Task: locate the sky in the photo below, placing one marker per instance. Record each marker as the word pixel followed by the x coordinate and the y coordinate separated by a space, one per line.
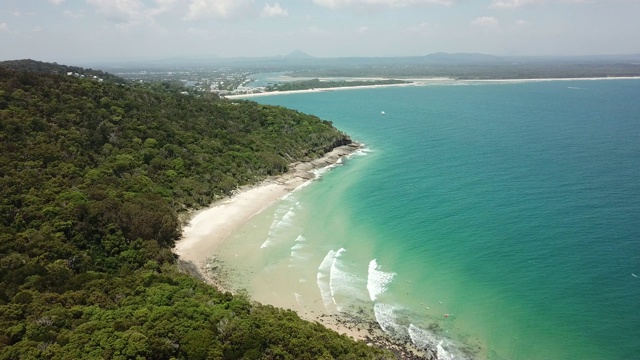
pixel 73 31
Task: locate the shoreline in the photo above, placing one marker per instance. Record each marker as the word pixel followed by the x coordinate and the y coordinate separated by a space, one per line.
pixel 207 229
pixel 423 82
pixel 414 82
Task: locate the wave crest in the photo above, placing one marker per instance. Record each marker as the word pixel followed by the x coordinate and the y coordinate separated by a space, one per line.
pixel 377 280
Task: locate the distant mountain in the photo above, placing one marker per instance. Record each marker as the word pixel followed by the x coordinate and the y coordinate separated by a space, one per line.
pixel 298 55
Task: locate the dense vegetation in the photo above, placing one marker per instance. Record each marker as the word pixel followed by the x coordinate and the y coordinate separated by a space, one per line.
pixel 53 68
pixel 93 177
pixel 323 84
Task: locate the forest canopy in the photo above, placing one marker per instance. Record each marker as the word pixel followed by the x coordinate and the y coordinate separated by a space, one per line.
pixel 94 174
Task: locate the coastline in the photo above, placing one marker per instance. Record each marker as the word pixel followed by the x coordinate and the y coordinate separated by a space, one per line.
pixel 556 85
pixel 414 82
pixel 338 324
pixel 210 227
pixel 424 82
pixel 207 229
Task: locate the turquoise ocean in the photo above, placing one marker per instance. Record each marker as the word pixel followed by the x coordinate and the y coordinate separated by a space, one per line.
pixel 491 220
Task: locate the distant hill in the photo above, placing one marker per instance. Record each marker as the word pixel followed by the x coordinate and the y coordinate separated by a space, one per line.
pixel 298 55
pixel 440 64
pixel 35 66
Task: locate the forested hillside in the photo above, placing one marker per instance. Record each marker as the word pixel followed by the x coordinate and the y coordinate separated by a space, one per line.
pixel 93 177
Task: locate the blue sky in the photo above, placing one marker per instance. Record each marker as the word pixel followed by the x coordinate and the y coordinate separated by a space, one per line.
pixel 73 31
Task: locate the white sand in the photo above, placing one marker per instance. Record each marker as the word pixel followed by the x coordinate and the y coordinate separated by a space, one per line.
pixel 414 82
pixel 210 227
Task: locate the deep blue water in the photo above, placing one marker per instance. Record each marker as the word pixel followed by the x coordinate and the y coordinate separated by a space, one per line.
pixel 513 207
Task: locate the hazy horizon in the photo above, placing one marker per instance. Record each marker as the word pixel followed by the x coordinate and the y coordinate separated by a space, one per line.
pixel 122 30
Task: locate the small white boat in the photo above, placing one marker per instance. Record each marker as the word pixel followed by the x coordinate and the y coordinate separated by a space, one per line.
pixel 382 113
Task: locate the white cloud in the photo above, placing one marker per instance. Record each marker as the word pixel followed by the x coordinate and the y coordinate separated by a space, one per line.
pixel 420 28
pixel 198 32
pixel 4 26
pixel 315 30
pixel 274 10
pixel 336 4
pixel 122 11
pixel 56 2
pixel 201 9
pixel 73 15
pixel 362 29
pixel 523 23
pixel 487 21
pixel 512 4
pixel 128 13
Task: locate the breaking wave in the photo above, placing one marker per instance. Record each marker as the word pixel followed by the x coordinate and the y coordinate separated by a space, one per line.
pixel 377 280
pixel 298 256
pixel 323 277
pixel 426 340
pixel 283 219
pixel 337 276
pixel 388 320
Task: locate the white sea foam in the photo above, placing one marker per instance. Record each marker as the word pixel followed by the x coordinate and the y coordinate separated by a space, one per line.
pixel 283 218
pixel 266 243
pixel 334 279
pixel 337 276
pixel 442 353
pixel 388 320
pixel 286 219
pixel 298 298
pixel 424 339
pixel 298 256
pixel 362 152
pixel 321 171
pixel 421 338
pixel 303 185
pixel 377 280
pixel 324 274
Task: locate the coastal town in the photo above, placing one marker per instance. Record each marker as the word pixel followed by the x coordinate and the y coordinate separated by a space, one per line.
pixel 222 81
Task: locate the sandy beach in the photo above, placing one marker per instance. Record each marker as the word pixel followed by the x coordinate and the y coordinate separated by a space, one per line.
pixel 411 82
pixel 210 227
